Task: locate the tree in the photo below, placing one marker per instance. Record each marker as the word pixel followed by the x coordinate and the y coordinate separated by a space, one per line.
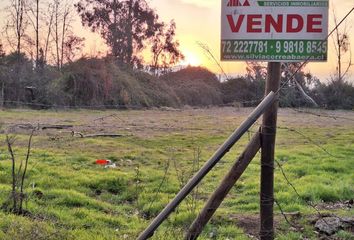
pixel 165 52
pixel 298 79
pixel 61 20
pixel 49 19
pixel 125 25
pixel 256 71
pixel 256 75
pixel 342 48
pixel 16 26
pixel 72 47
pixel 33 16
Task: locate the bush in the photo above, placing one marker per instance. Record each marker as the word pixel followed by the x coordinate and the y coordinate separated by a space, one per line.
pixel 101 82
pixel 195 86
pixel 242 90
pixel 337 94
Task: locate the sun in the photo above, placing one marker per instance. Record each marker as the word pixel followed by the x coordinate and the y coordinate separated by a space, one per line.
pixel 191 59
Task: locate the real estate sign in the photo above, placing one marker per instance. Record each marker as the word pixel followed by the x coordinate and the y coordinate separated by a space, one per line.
pixel 274 31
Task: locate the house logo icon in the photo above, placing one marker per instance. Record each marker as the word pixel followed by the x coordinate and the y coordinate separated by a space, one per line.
pixel 238 3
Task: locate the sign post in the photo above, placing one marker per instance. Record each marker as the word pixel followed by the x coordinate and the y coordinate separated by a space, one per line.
pixel 274 31
pixel 268 133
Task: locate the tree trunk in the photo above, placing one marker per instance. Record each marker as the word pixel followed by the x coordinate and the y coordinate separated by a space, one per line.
pixel 48 34
pixel 63 37
pixel 13 173
pixel 130 33
pixel 2 100
pixel 115 46
pixel 19 28
pixel 37 34
pixel 57 34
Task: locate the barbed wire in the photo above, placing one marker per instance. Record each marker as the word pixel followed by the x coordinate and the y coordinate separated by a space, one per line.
pixel 164 179
pixel 126 106
pixel 321 115
pixel 94 107
pixel 277 202
pixel 309 139
pixel 308 203
pixel 292 77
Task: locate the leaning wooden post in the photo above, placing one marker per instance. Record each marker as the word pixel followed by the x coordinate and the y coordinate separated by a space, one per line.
pixel 193 182
pixel 224 188
pixel 268 133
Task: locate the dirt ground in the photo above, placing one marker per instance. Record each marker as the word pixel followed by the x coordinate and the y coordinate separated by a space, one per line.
pixel 150 123
pixel 146 124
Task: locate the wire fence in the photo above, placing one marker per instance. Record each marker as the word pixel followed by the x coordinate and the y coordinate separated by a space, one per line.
pixel 298 135
pixel 283 172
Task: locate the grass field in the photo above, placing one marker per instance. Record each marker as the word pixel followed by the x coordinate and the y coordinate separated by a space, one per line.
pixel 70 197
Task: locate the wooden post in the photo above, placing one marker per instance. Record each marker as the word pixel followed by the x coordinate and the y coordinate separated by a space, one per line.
pixel 193 182
pixel 224 188
pixel 268 134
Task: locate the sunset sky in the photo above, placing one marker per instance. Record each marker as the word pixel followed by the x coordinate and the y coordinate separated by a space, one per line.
pixel 199 21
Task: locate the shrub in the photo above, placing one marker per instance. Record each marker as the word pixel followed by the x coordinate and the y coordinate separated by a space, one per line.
pixel 195 86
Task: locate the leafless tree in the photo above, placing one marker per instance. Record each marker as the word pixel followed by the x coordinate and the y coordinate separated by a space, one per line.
pixel 16 24
pixel 33 17
pixel 342 49
pixel 62 24
pixel 56 31
pixel 49 18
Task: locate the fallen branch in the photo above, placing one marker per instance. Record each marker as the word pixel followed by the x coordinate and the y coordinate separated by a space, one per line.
pixel 304 94
pixel 110 135
pixel 103 135
pixel 23 126
pixel 56 126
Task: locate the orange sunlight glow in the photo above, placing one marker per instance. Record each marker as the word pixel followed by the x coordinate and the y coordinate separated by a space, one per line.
pixel 191 59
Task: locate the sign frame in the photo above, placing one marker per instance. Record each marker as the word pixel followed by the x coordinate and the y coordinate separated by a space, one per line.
pixel 274 30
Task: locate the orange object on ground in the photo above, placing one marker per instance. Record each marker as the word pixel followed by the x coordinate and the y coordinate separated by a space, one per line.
pixel 103 162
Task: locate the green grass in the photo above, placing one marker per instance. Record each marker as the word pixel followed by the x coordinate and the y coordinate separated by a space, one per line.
pixel 69 197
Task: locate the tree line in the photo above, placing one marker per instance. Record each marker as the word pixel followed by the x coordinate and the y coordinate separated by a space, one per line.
pixel 44 67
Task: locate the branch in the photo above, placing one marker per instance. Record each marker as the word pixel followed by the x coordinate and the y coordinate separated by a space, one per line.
pixel 349 65
pixel 9 142
pixel 25 170
pixel 111 135
pixel 304 94
pixel 57 126
pixel 208 52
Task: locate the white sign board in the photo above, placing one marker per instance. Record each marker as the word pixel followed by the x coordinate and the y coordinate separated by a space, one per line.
pixel 274 31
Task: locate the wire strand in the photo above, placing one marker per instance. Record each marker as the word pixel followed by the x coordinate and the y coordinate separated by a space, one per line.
pixel 309 57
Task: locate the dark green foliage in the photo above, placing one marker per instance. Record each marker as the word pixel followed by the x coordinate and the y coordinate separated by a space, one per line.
pixel 337 94
pixel 111 185
pixel 22 83
pixel 127 26
pixel 100 82
pixel 244 91
pixel 104 83
pixel 195 86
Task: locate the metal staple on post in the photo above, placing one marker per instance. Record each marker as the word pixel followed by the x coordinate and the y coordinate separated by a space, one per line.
pixel 268 133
